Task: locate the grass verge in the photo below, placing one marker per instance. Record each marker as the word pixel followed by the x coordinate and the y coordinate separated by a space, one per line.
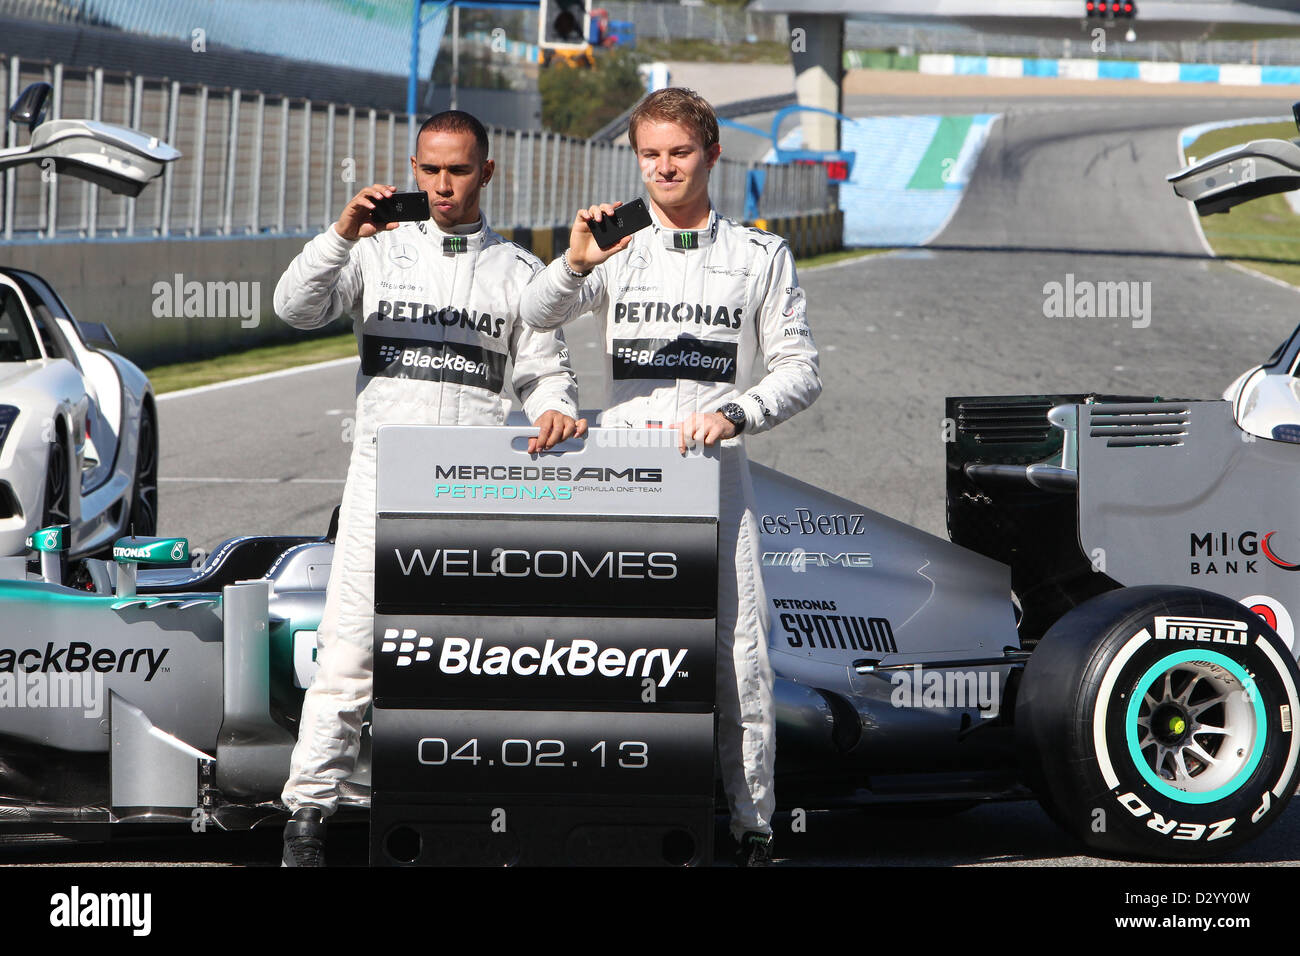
pixel 1264 228
pixel 839 255
pixel 266 358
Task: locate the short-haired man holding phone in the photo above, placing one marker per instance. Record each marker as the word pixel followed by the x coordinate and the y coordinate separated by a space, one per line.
pixel 437 321
pixel 690 307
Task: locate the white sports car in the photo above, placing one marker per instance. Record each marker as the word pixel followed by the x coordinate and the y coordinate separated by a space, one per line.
pixel 78 429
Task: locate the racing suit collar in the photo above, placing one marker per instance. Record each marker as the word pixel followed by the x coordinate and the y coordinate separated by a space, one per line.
pixel 466 238
pixel 685 239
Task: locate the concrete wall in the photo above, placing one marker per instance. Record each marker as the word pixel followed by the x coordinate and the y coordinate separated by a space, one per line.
pixel 118 282
pixel 133 286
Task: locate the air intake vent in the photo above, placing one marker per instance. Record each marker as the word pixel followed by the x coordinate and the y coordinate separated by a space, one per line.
pixel 8 503
pixel 1139 425
pixel 1004 423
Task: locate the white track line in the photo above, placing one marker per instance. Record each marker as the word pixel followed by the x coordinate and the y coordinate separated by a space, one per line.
pixel 856 260
pixel 263 376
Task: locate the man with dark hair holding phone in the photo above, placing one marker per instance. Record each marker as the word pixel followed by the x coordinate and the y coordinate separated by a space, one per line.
pixel 690 308
pixel 436 310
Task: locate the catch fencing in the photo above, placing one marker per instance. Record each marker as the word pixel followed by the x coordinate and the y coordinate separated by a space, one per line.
pixel 258 164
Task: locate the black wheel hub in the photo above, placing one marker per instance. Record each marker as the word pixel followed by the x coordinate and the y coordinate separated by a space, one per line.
pixel 1170 724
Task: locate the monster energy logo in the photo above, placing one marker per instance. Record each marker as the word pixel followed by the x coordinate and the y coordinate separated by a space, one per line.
pixel 453 244
pixel 684 240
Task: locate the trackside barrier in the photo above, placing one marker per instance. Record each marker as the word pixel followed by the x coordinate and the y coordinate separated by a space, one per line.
pixel 810 234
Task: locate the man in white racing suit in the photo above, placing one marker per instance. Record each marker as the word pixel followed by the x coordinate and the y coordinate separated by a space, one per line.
pixel 689 308
pixel 436 309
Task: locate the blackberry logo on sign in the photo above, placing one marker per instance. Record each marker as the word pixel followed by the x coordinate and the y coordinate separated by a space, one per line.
pixel 471 661
pixel 454 362
pixel 577 658
pixel 405 649
pixel 682 357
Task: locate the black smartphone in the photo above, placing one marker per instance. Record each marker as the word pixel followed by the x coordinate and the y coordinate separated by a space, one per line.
pixel 626 219
pixel 401 207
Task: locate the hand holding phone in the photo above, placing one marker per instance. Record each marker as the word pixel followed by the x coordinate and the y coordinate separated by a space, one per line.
pixel 602 230
pixel 401 207
pixel 354 221
pixel 627 219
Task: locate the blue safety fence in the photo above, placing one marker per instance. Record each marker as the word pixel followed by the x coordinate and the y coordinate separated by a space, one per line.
pixel 373 35
pixel 1082 68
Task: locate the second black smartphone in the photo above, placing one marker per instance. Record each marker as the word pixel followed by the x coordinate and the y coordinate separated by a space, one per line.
pixel 626 219
pixel 401 207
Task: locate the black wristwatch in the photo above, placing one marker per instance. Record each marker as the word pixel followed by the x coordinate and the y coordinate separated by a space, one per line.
pixel 734 414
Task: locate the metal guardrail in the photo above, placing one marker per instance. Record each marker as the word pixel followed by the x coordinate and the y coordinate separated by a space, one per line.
pixel 259 164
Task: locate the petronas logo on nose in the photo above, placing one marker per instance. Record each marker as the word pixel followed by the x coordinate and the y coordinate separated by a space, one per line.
pixel 684 240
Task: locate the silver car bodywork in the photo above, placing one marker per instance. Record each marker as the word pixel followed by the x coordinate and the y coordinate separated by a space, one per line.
pixel 77 397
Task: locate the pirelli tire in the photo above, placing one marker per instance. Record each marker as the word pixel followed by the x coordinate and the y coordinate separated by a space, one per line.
pixel 1144 738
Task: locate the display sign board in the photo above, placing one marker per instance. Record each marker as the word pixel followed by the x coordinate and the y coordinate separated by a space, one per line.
pixel 545 634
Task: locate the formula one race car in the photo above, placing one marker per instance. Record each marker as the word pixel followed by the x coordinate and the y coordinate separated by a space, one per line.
pixel 1123 683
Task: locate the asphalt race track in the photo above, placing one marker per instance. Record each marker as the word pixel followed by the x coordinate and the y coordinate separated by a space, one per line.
pixel 1064 186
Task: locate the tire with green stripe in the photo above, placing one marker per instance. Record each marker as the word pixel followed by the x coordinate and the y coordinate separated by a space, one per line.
pixel 1158 722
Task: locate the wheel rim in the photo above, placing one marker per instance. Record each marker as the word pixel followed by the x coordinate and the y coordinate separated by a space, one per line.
pixel 144 510
pixel 56 488
pixel 1195 726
